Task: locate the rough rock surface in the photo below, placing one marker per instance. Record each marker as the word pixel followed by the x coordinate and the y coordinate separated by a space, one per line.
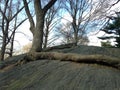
pixel 90 50
pixel 57 75
pixel 62 75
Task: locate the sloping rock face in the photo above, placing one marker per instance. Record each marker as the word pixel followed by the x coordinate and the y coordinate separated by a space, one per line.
pixel 90 50
pixel 60 75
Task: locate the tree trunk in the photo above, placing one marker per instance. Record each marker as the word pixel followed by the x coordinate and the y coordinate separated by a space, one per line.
pixel 76 38
pixel 45 42
pixel 12 45
pixel 3 49
pixel 38 34
pixel 4 43
pixel 46 37
pixel 74 25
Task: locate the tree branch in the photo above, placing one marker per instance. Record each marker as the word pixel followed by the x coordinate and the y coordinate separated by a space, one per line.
pixel 17 13
pixel 15 28
pixel 116 2
pixel 49 5
pixel 32 24
pixel 3 14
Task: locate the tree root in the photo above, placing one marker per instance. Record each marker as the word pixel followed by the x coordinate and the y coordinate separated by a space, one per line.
pixel 89 59
pixel 98 59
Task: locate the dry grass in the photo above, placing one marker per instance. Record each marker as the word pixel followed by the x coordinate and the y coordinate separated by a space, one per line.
pixel 99 59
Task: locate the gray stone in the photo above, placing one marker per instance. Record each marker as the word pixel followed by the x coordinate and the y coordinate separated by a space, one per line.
pixel 60 75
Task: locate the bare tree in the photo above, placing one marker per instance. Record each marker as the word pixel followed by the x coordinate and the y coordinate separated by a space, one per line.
pixel 76 9
pixel 68 34
pixel 37 30
pixel 86 12
pixel 51 19
pixel 9 11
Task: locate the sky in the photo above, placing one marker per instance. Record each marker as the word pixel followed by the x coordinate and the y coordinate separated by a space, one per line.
pixel 23 35
pixel 23 39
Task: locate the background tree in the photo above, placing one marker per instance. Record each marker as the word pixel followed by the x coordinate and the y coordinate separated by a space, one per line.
pixel 76 9
pixel 113 28
pixel 9 11
pixel 67 33
pixel 51 20
pixel 85 14
pixel 106 44
pixel 37 29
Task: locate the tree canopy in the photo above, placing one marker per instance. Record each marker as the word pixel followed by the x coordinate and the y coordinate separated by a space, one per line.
pixel 113 28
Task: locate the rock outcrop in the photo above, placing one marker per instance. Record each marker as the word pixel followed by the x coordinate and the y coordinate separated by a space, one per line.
pixel 68 69
pixel 57 75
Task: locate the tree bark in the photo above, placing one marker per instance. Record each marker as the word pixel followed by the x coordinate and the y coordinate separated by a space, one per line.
pixel 38 33
pixel 3 48
pixel 46 38
pixel 75 38
pixel 4 43
pixel 12 45
pixel 38 29
pixel 74 25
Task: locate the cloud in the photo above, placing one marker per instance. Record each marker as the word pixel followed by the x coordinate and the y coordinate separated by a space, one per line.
pixel 93 38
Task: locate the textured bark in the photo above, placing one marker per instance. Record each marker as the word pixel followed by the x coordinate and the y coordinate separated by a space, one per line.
pixel 38 34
